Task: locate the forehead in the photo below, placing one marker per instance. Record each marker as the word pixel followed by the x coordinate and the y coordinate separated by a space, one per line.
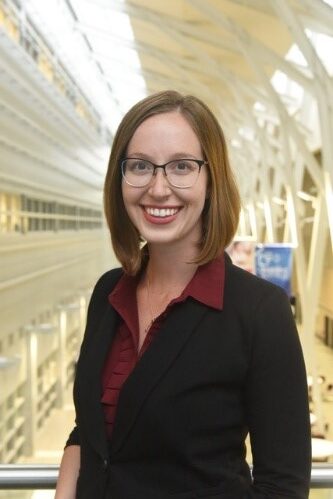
pixel 165 130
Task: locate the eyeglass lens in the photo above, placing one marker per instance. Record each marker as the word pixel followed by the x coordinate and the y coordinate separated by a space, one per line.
pixel 180 173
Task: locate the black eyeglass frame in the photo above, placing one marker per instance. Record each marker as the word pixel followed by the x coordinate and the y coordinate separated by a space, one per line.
pixel 199 162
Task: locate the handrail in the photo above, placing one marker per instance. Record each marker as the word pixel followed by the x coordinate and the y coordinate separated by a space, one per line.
pixel 28 476
pixel 36 476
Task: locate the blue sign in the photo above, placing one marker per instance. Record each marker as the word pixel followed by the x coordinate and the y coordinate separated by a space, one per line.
pixel 273 262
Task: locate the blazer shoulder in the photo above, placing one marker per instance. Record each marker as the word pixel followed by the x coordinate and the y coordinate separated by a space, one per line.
pixel 108 280
pixel 261 307
pixel 245 287
pixel 102 289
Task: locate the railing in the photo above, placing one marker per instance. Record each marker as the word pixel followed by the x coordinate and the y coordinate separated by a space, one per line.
pixel 18 477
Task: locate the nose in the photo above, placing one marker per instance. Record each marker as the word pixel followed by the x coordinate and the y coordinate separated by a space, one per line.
pixel 159 185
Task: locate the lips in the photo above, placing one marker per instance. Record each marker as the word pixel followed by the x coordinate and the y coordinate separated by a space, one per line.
pixel 163 215
pixel 161 212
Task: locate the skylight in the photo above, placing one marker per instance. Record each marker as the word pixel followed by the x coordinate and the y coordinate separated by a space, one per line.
pixel 96 45
pixel 324 47
pixel 111 37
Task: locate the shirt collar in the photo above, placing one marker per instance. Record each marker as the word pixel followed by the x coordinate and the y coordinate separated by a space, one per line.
pixel 123 300
pixel 206 286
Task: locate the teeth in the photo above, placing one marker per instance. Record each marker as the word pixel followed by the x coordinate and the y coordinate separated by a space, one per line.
pixel 163 212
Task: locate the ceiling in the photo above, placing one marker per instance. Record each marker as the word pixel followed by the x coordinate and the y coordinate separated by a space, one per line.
pixel 223 51
pixel 206 48
pixel 192 46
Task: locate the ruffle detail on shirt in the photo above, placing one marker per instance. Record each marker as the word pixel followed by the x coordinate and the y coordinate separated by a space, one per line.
pixel 120 372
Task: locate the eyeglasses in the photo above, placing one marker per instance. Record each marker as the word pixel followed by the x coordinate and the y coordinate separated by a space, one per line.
pixel 181 173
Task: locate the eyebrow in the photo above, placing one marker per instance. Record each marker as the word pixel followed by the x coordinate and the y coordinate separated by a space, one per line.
pixel 177 155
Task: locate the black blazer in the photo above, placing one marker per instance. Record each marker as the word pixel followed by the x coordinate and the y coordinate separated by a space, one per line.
pixel 208 378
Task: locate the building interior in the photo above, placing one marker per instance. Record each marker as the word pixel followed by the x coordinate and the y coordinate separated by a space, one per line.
pixel 69 71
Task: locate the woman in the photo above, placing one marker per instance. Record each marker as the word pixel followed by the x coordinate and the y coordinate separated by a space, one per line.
pixel 184 354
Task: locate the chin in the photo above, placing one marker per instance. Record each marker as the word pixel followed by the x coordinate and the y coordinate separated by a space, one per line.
pixel 160 240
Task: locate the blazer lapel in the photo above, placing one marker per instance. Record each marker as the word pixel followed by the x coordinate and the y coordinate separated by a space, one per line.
pixel 165 347
pixel 92 360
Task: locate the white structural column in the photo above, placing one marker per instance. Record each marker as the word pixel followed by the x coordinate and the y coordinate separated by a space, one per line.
pixel 31 390
pixel 82 317
pixel 325 107
pixel 61 356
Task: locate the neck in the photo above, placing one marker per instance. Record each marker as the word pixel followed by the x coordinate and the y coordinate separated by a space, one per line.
pixel 168 267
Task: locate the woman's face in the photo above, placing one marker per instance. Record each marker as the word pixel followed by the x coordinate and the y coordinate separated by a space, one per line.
pixel 164 214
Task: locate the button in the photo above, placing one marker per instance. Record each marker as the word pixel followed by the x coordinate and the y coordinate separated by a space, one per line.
pixel 105 464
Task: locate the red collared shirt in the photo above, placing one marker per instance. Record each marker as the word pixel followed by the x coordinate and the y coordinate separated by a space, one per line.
pixel 206 286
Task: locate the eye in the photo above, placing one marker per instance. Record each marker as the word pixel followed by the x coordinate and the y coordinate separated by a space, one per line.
pixel 138 166
pixel 141 165
pixel 182 167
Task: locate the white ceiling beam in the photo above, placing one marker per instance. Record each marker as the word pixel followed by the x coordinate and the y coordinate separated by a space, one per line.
pixel 319 11
pixel 265 53
pixel 316 25
pixel 173 62
pixel 155 19
pixel 292 70
pixel 259 5
pixel 244 40
pixel 324 96
pixel 103 59
pixel 173 29
pixel 218 71
pixel 145 14
pixel 268 55
pixel 290 19
pixel 141 47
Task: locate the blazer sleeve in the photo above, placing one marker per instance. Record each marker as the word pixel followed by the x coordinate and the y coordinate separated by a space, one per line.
pixel 276 401
pixel 74 437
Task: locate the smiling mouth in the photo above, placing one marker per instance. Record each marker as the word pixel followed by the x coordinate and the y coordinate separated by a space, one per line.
pixel 161 212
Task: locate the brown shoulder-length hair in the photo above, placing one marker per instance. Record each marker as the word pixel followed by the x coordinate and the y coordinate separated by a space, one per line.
pixel 221 212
